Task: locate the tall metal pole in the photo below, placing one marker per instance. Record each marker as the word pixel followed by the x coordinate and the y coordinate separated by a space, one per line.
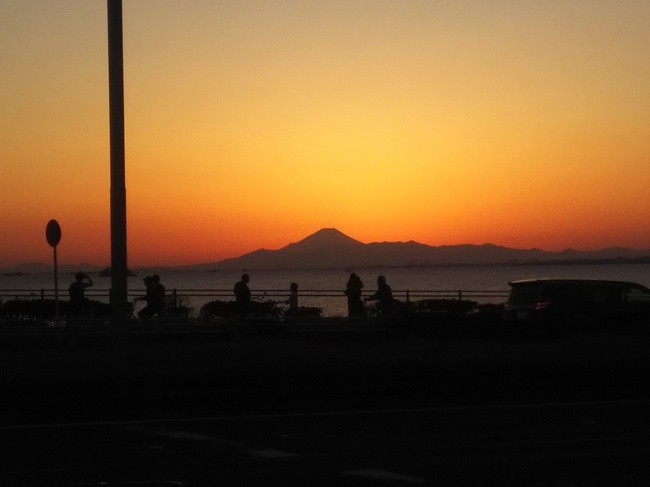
pixel 119 299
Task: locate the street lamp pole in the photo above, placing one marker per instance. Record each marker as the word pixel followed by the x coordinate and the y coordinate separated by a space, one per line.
pixel 119 299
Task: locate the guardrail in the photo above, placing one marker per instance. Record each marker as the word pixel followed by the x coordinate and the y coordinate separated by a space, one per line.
pixel 332 302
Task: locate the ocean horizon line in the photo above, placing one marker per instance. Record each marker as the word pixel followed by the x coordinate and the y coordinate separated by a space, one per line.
pixel 39 267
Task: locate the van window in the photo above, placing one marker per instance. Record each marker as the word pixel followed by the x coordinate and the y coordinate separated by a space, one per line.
pixel 524 294
pixel 576 294
pixel 638 295
pixel 606 294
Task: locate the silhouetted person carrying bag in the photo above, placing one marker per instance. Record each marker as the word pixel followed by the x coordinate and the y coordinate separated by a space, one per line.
pixel 77 293
pixel 242 295
pixel 384 295
pixel 155 297
pixel 353 292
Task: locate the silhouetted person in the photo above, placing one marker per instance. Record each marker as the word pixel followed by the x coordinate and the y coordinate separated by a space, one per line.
pixel 353 292
pixel 77 293
pixel 155 297
pixel 242 295
pixel 293 297
pixel 384 295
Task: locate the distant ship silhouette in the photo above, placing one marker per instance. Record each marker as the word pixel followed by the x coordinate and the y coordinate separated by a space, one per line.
pixel 106 272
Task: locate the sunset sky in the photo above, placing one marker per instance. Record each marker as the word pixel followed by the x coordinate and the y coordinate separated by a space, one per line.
pixel 254 123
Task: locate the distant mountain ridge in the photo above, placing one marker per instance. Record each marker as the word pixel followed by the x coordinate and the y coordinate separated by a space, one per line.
pixel 330 248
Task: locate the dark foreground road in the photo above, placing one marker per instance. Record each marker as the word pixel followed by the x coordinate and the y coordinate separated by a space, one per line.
pixel 365 412
pixel 590 444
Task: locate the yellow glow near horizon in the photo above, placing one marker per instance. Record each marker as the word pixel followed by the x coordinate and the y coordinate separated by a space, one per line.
pixel 256 123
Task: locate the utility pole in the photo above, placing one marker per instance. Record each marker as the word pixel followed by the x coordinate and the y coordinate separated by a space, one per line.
pixel 119 299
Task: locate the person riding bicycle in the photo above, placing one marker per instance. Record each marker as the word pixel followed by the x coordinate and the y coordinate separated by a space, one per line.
pixel 155 297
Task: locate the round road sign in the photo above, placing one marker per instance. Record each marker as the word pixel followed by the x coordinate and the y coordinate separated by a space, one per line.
pixel 53 233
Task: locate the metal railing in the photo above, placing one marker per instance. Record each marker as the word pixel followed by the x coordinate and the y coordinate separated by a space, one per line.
pixel 332 302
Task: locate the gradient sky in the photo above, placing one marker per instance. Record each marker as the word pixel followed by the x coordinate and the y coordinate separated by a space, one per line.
pixel 253 123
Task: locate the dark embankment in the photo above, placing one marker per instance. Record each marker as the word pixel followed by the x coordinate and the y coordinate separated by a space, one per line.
pixel 61 376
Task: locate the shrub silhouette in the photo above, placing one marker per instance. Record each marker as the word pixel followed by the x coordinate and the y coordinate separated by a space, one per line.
pixel 226 309
pixel 304 312
pixel 443 305
pixel 45 309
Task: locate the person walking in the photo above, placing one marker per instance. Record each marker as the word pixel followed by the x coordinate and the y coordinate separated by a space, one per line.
pixel 293 297
pixel 242 295
pixel 353 292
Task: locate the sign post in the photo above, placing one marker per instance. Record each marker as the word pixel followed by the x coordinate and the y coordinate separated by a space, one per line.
pixel 53 237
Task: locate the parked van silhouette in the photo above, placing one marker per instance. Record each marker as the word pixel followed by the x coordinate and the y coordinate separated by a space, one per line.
pixel 564 305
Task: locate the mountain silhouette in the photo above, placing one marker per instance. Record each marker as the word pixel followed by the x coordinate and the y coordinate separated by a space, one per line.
pixel 330 248
pixel 326 248
pixel 323 238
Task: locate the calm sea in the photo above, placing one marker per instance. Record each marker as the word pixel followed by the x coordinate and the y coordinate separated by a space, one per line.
pixel 430 278
pixel 452 278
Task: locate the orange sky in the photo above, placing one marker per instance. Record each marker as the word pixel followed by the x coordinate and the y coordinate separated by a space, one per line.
pixel 255 123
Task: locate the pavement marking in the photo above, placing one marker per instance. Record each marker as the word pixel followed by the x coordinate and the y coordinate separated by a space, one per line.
pixel 156 483
pixel 588 421
pixel 560 442
pixel 385 475
pixel 256 451
pixel 365 412
pixel 181 435
pixel 138 448
pixel 270 453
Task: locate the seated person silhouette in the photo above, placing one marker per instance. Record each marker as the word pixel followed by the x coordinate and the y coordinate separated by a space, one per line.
pixel 384 295
pixel 78 301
